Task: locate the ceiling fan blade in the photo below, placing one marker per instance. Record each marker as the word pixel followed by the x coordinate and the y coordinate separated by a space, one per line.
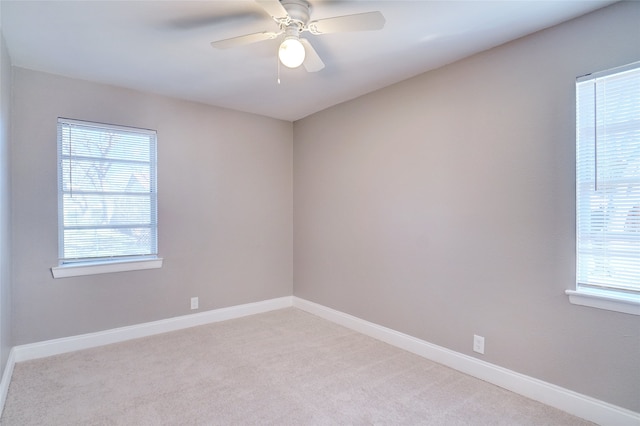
pixel 210 21
pixel 273 8
pixel 312 61
pixel 243 40
pixel 367 21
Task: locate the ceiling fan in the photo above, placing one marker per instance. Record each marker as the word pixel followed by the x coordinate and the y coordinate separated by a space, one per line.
pixel 292 17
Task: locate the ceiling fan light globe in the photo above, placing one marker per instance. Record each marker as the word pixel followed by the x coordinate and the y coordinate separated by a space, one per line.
pixel 291 53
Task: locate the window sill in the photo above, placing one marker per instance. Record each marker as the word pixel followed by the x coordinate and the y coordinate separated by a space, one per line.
pixel 88 268
pixel 610 301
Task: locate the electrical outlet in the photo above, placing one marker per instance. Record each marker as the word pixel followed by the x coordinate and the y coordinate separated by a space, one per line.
pixel 194 303
pixel 478 344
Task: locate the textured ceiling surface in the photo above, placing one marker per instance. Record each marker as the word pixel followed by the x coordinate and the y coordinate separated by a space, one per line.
pixel 164 47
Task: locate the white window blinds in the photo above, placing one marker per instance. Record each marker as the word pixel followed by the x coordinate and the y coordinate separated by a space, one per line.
pixel 608 181
pixel 107 199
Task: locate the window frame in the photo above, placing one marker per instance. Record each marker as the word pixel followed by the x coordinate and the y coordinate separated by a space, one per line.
pixel 611 298
pixel 69 267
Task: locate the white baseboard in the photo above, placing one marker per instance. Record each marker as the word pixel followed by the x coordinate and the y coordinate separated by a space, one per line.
pixel 566 400
pixel 91 340
pixel 6 379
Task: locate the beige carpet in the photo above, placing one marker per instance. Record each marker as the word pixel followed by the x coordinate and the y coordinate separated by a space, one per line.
pixel 285 367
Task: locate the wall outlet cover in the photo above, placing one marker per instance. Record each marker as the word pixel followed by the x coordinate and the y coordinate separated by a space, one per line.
pixel 478 344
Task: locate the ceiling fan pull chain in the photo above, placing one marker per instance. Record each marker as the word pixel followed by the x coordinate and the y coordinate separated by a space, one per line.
pixel 278 61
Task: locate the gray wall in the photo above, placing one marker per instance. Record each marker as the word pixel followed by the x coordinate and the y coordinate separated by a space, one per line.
pixel 5 210
pixel 224 210
pixel 443 206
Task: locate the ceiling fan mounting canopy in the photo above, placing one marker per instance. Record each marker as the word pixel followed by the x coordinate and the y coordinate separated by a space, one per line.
pixel 293 18
pixel 298 13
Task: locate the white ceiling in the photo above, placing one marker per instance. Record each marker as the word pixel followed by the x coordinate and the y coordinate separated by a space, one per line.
pixel 164 46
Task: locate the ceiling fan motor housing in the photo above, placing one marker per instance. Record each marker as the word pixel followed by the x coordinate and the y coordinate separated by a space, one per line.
pixel 298 11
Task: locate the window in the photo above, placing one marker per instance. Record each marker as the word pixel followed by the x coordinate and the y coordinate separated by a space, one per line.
pixel 608 190
pixel 107 199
